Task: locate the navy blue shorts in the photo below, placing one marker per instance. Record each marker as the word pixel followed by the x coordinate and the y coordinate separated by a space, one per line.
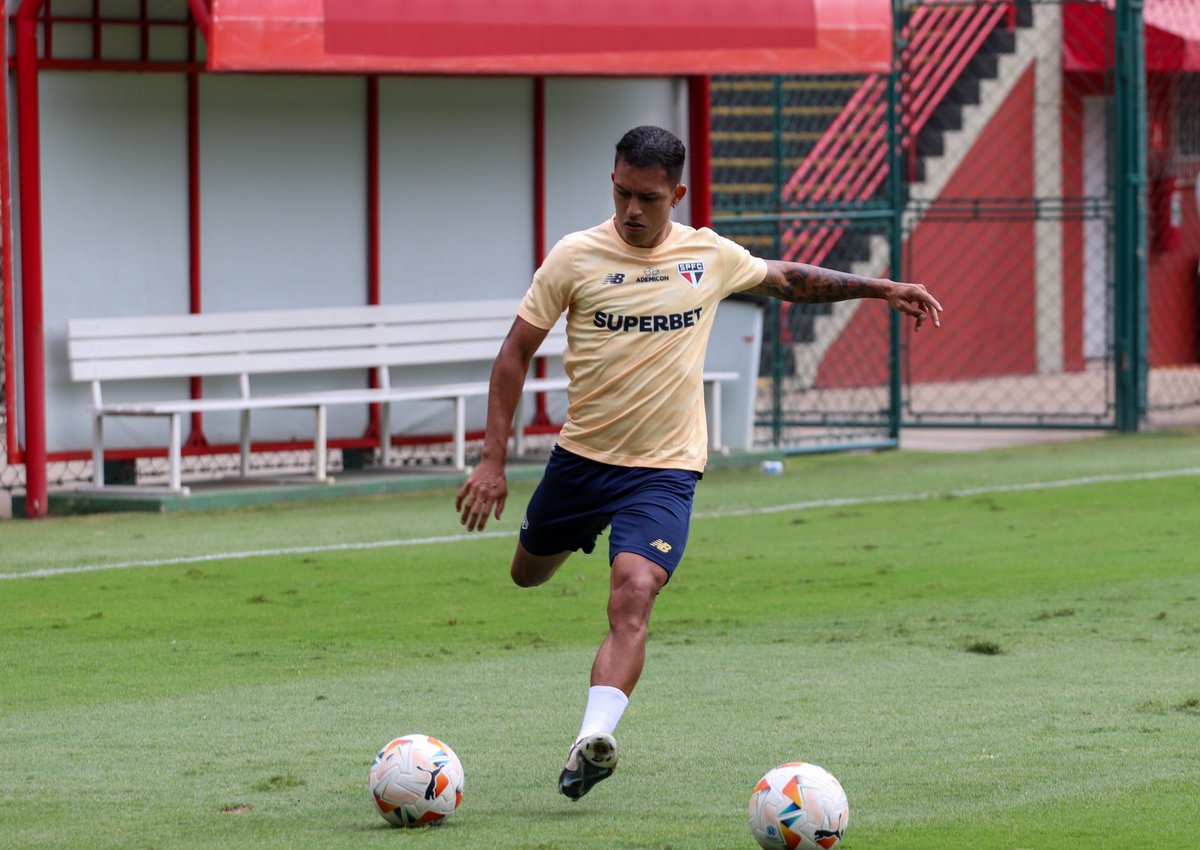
pixel 650 510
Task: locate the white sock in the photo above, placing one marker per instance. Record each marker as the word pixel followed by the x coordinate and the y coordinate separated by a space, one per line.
pixel 605 706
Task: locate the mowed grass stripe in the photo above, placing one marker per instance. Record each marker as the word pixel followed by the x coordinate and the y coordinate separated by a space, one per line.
pixel 814 504
pixel 121 538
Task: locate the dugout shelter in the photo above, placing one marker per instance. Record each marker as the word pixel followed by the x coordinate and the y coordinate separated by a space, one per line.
pixel 185 156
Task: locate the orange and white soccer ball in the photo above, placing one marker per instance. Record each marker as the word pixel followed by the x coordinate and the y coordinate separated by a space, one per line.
pixel 798 806
pixel 416 780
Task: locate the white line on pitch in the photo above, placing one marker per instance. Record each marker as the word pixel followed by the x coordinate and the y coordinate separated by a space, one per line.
pixel 738 512
pixel 256 553
pixel 970 491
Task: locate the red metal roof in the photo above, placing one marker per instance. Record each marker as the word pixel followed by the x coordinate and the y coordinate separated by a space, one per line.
pixel 1172 35
pixel 553 37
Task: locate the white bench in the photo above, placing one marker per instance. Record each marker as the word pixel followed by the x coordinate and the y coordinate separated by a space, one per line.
pixel 310 341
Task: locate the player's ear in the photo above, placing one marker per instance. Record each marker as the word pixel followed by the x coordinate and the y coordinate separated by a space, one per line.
pixel 677 195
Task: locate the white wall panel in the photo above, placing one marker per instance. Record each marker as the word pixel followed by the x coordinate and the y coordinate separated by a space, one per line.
pixel 283 191
pixel 456 186
pixel 283 201
pixel 114 218
pixel 585 118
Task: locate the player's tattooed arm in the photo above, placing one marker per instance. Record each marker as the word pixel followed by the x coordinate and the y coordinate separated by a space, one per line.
pixel 814 284
pixel 800 282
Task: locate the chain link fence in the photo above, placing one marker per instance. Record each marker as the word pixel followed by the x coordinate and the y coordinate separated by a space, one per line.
pixel 779 144
pixel 1000 123
pixel 1009 213
pixel 1173 220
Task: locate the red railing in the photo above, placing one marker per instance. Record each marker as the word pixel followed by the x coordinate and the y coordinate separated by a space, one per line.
pixel 849 162
pixel 7 319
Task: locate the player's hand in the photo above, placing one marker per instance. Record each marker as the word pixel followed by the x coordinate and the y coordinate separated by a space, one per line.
pixel 483 495
pixel 913 299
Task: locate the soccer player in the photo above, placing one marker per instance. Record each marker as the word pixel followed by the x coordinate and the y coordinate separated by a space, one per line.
pixel 640 292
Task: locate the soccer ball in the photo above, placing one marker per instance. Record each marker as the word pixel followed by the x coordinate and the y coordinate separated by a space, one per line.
pixel 798 806
pixel 416 780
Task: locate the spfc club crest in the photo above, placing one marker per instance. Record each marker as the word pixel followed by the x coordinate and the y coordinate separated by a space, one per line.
pixel 692 272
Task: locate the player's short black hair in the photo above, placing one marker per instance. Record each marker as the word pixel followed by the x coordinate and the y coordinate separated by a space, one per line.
pixel 647 146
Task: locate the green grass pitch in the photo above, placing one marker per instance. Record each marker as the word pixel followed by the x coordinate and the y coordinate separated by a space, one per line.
pixel 995 650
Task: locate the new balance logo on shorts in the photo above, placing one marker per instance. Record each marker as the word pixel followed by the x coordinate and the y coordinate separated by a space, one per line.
pixel 661 545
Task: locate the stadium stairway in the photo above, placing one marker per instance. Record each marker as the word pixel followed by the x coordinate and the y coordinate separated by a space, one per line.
pixel 762 128
pixel 765 130
pixel 965 92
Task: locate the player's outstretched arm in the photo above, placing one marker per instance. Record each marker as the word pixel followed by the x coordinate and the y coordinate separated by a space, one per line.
pixel 486 488
pixel 813 284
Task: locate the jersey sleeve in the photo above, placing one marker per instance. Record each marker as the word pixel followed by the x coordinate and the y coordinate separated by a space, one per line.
pixel 550 293
pixel 743 270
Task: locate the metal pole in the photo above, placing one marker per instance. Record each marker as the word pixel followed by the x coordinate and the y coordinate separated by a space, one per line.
pixel 777 312
pixel 896 172
pixel 195 293
pixel 32 326
pixel 1129 91
pixel 6 259
pixel 700 150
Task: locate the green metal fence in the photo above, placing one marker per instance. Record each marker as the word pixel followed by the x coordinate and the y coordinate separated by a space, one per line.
pixel 1004 164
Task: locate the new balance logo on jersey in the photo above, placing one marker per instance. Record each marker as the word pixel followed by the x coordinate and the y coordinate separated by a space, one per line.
pixel 614 278
pixel 692 272
pixel 661 545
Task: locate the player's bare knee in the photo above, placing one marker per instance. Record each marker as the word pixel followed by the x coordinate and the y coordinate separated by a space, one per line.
pixel 630 601
pixel 523 577
pixel 531 570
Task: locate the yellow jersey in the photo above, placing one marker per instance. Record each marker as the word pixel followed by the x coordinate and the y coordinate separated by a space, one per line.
pixel 638 322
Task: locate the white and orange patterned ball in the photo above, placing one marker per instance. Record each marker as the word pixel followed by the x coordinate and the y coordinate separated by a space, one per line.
pixel 798 806
pixel 416 780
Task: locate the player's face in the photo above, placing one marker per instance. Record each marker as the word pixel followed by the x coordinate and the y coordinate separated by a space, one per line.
pixel 644 197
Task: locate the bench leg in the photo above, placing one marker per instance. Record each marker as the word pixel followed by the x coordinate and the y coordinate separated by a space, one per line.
pixel 175 454
pixel 322 450
pixel 460 433
pixel 385 433
pixel 715 433
pixel 98 450
pixel 244 441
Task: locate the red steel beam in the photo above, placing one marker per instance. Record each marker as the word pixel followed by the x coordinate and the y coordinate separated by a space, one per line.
pixel 374 279
pixel 203 16
pixel 97 31
pixel 6 258
pixel 195 279
pixel 541 415
pixel 32 320
pixel 700 150
pixel 374 244
pixel 539 170
pixel 120 66
pixel 144 40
